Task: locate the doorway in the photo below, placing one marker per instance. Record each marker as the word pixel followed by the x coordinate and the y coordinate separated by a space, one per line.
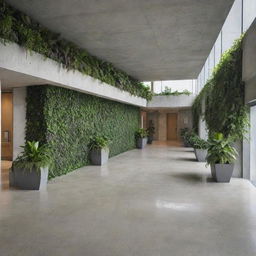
pixel 7 126
pixel 6 138
pixel 172 126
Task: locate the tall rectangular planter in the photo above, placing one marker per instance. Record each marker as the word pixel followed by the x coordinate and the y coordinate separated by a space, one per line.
pixel 99 156
pixel 201 154
pixel 141 142
pixel 29 180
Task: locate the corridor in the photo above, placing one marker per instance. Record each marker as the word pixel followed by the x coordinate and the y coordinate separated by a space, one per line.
pixel 151 202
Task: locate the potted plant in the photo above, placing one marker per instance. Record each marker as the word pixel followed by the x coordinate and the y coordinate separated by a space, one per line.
pixel 221 156
pixel 141 138
pixel 151 132
pixel 30 169
pixel 200 146
pixel 188 137
pixel 99 150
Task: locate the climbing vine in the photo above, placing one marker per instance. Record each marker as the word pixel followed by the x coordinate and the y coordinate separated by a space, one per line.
pixel 18 27
pixel 223 96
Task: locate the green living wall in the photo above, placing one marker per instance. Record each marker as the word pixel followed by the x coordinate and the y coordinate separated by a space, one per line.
pixel 223 96
pixel 65 119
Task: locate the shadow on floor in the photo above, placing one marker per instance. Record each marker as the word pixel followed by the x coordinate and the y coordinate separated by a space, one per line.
pixel 190 177
pixel 187 159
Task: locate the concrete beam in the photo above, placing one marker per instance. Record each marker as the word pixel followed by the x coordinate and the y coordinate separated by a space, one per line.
pixel 21 68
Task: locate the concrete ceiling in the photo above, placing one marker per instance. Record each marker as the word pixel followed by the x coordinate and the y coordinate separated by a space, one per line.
pixel 149 39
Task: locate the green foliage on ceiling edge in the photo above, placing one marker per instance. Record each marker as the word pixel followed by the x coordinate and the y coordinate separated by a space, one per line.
pixel 18 27
pixel 65 120
pixel 221 102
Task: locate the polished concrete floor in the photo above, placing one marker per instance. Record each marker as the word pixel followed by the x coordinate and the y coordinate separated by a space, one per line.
pixel 153 202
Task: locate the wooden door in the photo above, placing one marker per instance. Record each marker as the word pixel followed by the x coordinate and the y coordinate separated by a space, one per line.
pixel 7 125
pixel 172 126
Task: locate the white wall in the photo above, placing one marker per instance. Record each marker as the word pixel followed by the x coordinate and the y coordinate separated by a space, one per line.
pixel 19 119
pixel 170 101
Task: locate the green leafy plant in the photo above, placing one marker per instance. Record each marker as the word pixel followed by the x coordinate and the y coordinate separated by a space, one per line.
pixel 223 97
pixel 34 156
pixel 188 136
pixel 220 150
pixel 18 27
pixel 99 142
pixel 141 133
pixel 198 143
pixel 168 91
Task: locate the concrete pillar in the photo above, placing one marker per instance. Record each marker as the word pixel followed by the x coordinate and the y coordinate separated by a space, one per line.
pixel 19 119
pixel 152 87
pixel 202 128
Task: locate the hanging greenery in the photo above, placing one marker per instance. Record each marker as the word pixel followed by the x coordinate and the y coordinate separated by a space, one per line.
pixel 223 95
pixel 17 27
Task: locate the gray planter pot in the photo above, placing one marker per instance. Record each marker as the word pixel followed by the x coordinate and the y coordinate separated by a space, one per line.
pixel 201 154
pixel 99 156
pixel 29 180
pixel 150 139
pixel 222 172
pixel 141 142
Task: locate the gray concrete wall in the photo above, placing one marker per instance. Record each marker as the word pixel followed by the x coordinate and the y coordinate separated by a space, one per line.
pixel 19 119
pixel 202 127
pixel 159 118
pixel 181 101
pixel 249 63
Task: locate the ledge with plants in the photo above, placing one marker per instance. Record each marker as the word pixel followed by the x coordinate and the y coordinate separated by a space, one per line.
pixel 19 28
pixel 168 92
pixel 99 150
pixel 30 169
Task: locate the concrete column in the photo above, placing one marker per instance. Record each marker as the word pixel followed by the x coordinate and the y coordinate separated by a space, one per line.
pixel 19 119
pixel 202 128
pixel 152 87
